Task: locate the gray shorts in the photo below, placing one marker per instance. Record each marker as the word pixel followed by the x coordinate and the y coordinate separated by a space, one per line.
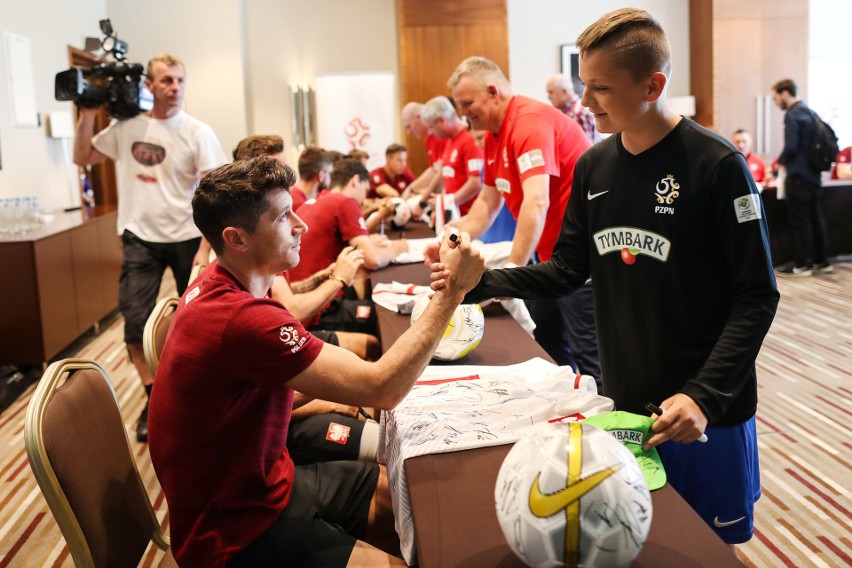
pixel 142 267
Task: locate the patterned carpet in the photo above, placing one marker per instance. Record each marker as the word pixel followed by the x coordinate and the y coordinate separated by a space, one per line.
pixel 804 433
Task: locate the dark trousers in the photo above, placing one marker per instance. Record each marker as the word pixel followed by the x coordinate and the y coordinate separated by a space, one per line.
pixel 142 266
pixel 565 328
pixel 804 212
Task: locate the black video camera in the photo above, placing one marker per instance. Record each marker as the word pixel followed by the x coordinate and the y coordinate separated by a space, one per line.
pixel 115 83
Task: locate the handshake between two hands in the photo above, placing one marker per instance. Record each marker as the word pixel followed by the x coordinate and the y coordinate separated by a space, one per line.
pixel 458 266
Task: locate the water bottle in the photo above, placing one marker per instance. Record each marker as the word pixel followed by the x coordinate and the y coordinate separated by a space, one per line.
pixel 17 216
pixel 33 215
pixel 24 215
pixel 5 216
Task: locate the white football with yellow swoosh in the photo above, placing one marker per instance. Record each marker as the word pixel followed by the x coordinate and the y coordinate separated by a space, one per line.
pixel 572 495
pixel 463 332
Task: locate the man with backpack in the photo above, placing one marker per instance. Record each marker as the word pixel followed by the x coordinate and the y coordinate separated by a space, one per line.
pixel 805 139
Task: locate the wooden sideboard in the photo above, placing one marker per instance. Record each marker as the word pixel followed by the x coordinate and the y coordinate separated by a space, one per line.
pixel 57 283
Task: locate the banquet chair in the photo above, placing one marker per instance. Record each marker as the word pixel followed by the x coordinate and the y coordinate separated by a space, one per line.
pixel 196 270
pixel 78 450
pixel 156 330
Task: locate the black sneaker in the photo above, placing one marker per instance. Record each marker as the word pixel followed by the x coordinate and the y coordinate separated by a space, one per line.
pixel 823 268
pixel 142 425
pixel 795 270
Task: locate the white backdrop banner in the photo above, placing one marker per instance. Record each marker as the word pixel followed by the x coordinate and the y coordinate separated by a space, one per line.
pixel 357 110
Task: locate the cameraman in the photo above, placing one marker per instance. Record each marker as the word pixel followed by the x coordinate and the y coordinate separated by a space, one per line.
pixel 160 156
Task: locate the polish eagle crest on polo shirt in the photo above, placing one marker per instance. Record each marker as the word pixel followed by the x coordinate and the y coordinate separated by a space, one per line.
pixel 290 336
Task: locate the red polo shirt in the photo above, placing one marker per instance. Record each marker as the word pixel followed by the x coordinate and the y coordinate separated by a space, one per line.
pixel 462 159
pixel 534 139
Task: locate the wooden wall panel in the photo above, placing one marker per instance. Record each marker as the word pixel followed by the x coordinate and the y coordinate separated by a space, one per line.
pixel 440 50
pixel 701 60
pixel 451 12
pixel 752 47
pixel 434 37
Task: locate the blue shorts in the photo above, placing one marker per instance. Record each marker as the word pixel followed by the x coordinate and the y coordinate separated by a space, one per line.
pixel 719 479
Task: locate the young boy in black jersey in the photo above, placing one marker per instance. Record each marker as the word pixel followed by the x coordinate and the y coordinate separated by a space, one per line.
pixel 667 220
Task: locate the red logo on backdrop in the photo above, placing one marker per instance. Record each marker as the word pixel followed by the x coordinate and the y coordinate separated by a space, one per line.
pixel 357 133
pixel 337 433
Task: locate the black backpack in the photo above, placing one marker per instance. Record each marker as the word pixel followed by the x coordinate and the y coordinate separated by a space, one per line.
pixel 823 148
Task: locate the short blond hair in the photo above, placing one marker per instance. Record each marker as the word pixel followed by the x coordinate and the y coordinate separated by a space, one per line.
pixel 635 40
pixel 482 70
pixel 168 59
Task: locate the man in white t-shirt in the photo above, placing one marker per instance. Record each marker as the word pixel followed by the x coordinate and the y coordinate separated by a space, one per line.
pixel 160 156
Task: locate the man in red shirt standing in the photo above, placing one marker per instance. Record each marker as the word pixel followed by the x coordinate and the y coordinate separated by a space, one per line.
pixel 462 159
pixel 742 140
pixel 530 152
pixel 429 181
pixel 226 382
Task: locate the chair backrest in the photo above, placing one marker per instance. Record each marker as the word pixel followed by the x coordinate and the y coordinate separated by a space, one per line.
pixel 79 452
pixel 196 270
pixel 156 330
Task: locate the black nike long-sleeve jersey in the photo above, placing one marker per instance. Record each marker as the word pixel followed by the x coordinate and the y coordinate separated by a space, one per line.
pixel 675 241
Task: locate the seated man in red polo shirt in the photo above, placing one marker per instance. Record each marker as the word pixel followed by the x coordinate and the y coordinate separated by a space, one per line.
pixel 314 172
pixel 320 430
pixel 259 145
pixel 391 179
pixel 742 140
pixel 226 382
pixel 843 164
pixel 336 222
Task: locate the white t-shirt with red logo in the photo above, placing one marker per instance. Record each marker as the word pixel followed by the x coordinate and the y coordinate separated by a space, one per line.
pixel 158 164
